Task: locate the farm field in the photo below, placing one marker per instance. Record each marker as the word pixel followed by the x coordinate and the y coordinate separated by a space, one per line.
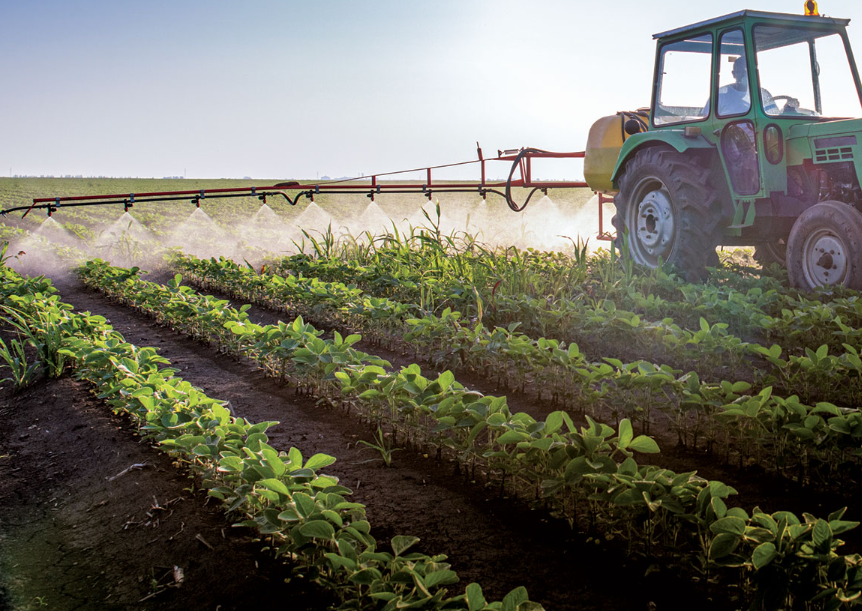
pixel 536 417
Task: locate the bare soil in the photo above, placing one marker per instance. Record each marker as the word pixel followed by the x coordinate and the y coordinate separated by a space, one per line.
pixel 75 534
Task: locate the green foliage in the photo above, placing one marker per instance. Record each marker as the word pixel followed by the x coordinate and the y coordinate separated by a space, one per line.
pixel 587 474
pixel 21 373
pixel 383 444
pixel 705 413
pixel 303 513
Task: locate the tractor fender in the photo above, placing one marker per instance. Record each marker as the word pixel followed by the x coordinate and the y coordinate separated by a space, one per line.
pixel 674 138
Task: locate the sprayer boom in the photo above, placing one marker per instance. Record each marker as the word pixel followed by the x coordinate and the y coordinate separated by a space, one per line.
pixel 520 176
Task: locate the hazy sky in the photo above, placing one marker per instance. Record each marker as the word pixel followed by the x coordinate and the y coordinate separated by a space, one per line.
pixel 299 89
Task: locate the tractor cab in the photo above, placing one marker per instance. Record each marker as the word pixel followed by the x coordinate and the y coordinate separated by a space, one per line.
pixel 751 125
pixel 748 79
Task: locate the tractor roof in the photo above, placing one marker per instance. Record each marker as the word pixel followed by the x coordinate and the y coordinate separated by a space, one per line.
pixel 776 18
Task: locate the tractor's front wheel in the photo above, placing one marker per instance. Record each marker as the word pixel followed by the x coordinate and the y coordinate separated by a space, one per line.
pixel 668 211
pixel 825 247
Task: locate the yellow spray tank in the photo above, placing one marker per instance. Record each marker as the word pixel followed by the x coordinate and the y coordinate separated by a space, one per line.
pixel 603 148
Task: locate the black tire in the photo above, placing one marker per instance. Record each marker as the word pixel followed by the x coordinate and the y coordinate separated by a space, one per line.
pixel 668 209
pixel 825 247
pixel 772 252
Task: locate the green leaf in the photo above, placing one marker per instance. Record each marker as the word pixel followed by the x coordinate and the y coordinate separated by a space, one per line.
pixel 723 545
pixel 729 524
pixel 821 535
pixel 445 380
pixel 402 543
pixel 275 485
pixel 305 505
pixel 644 444
pixel 475 598
pixel 737 512
pixel 837 569
pixel 512 437
pixel 340 561
pixel 318 529
pixel 440 578
pixel 295 458
pixel 840 425
pixel 763 555
pixel 576 468
pixel 554 422
pixel 836 515
pixel 570 424
pixel 626 433
pixel 319 461
pixel 828 408
pixel 841 526
pixel 628 467
pixel 719 489
pixel 387 596
pixel 514 598
pixel 366 577
pixel 739 387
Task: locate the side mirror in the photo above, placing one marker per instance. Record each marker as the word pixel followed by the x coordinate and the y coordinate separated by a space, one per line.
pixel 633 127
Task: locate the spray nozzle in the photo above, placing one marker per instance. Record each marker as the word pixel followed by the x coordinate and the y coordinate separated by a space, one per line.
pixel 53 208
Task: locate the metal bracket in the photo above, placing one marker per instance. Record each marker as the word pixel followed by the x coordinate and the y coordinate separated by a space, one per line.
pixel 743 218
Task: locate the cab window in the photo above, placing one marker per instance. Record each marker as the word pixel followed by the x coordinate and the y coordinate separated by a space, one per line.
pixel 804 72
pixel 684 76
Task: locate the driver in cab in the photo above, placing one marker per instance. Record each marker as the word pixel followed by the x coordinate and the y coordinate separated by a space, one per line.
pixel 735 99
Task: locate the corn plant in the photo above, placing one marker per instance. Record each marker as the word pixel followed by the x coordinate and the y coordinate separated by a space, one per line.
pixel 383 445
pixel 21 373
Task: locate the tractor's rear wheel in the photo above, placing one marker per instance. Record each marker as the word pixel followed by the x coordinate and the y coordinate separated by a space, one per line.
pixel 667 210
pixel 825 247
pixel 771 252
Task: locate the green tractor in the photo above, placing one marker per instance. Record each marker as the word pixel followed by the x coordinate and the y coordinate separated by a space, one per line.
pixel 748 142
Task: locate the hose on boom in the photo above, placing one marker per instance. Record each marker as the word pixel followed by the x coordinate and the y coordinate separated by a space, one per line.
pixel 515 207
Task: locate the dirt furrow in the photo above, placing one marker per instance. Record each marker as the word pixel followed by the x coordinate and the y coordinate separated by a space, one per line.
pixel 80 529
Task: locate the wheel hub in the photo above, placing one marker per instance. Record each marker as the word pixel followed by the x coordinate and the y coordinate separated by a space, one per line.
pixel 655 223
pixel 825 259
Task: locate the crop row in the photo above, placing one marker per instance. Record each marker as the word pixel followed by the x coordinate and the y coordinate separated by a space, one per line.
pixel 709 347
pixel 678 517
pixel 305 514
pixel 710 344
pixel 782 432
pixel 530 286
pixel 490 297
